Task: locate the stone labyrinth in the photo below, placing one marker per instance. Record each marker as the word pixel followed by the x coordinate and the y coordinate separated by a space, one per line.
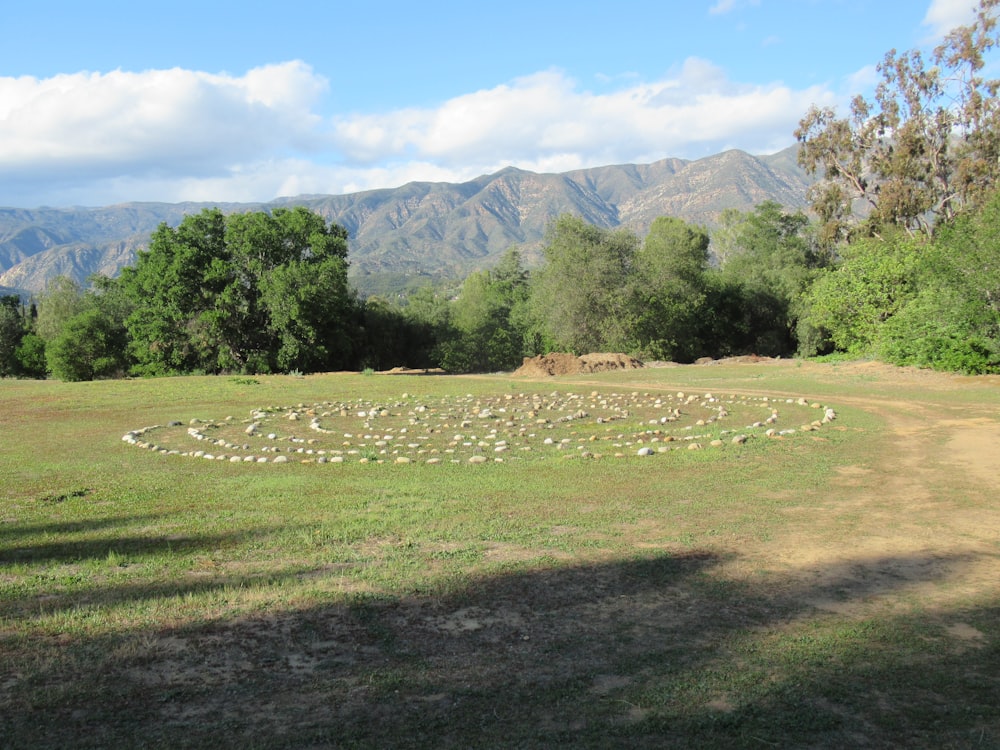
pixel 479 429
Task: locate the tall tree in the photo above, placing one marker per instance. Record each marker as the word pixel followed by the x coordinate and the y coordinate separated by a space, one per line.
pixel 769 265
pixel 669 289
pixel 846 307
pixel 12 330
pixel 250 292
pixel 952 321
pixel 924 148
pixel 486 334
pixel 581 293
pixel 62 299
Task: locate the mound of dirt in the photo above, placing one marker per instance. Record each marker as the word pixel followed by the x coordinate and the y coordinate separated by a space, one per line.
pixel 570 364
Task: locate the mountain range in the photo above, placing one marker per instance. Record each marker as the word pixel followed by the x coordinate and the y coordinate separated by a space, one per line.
pixel 422 229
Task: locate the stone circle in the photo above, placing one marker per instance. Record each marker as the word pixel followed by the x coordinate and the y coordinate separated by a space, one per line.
pixel 496 428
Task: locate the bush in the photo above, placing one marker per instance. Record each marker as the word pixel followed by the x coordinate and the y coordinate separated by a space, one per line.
pixel 89 347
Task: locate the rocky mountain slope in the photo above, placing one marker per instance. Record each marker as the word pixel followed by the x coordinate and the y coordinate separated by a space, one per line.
pixel 422 228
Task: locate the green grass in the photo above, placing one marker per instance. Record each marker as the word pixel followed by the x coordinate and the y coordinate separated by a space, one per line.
pixel 152 600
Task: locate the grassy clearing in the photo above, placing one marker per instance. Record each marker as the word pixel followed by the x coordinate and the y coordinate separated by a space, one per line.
pixel 828 589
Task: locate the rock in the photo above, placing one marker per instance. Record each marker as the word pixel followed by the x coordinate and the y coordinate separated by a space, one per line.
pixel 645 451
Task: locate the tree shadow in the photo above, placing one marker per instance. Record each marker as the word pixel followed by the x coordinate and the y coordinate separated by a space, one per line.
pixel 114 555
pixel 10 533
pixel 656 651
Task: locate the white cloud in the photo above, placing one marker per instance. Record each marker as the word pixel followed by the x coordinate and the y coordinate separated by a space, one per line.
pixel 176 135
pixel 160 124
pixel 545 118
pixel 727 6
pixel 944 15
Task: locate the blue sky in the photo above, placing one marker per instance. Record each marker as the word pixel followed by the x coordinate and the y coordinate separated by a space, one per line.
pixel 107 102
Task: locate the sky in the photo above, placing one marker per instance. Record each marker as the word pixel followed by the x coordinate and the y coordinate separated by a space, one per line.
pixel 106 102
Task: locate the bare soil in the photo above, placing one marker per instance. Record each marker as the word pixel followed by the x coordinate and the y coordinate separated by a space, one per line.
pixel 570 364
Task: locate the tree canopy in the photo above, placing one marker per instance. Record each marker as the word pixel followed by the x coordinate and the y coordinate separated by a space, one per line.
pixel 252 292
pixel 925 147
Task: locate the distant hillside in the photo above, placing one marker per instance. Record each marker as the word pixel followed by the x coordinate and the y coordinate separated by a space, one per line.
pixel 422 228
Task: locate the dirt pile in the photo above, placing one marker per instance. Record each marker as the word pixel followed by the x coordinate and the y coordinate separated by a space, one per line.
pixel 570 364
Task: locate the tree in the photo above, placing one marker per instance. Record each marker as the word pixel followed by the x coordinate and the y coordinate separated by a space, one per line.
pixel 62 299
pixel 846 307
pixel 252 292
pixel 89 346
pixel 311 314
pixel 173 286
pixel 487 329
pixel 580 296
pixel 926 147
pixel 769 263
pixel 12 330
pixel 669 289
pixel 952 321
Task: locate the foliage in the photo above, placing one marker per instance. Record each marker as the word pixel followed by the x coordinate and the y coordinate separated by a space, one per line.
pixel 846 306
pixel 926 147
pixel 250 292
pixel 12 330
pixel 30 356
pixel 486 320
pixel 769 262
pixel 62 300
pixel 669 290
pixel 953 322
pixel 89 346
pixel 578 295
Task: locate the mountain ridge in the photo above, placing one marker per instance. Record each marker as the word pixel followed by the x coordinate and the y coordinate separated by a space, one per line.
pixel 421 228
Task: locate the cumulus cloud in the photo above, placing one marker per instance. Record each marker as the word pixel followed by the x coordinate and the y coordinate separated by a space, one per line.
pixel 944 15
pixel 546 118
pixel 158 125
pixel 175 135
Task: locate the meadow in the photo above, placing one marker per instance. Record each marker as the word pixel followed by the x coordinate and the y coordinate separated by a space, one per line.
pixel 487 561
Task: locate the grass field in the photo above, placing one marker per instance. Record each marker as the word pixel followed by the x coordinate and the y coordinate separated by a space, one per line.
pixel 837 587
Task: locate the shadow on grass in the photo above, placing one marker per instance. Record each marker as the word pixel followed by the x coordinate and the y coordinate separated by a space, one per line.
pixel 101 577
pixel 136 546
pixel 10 533
pixel 651 652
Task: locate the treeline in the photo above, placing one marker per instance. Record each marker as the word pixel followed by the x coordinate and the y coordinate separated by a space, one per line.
pixel 901 261
pixel 261 293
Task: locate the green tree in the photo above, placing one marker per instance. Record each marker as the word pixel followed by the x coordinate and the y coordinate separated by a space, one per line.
pixel 30 355
pixel 62 300
pixel 769 265
pixel 311 313
pixel 669 289
pixel 174 326
pixel 12 330
pixel 846 307
pixel 487 331
pixel 925 147
pixel 952 321
pixel 581 295
pixel 390 336
pixel 89 346
pixel 251 292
